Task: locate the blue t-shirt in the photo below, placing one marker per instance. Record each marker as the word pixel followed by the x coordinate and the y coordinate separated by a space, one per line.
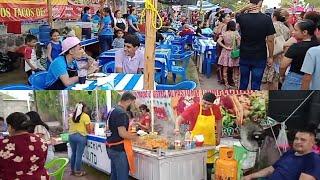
pixel 85 17
pixel 133 19
pixel 58 68
pixel 290 166
pixel 107 28
pixel 96 18
pixel 56 50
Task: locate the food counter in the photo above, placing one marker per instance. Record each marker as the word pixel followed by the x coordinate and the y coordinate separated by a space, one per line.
pixel 152 165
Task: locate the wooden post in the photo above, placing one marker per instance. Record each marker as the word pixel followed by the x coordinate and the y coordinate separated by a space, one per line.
pixel 49 6
pixel 149 50
pixel 201 11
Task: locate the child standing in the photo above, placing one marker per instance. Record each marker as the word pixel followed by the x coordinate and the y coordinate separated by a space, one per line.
pixel 227 40
pixel 118 42
pixel 32 65
pixel 54 48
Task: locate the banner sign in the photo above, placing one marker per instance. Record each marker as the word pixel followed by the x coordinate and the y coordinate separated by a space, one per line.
pixel 237 107
pixel 15 12
pixel 32 10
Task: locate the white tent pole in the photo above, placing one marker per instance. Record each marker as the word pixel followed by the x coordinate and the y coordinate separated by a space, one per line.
pixel 152 112
pixel 108 99
pixel 97 107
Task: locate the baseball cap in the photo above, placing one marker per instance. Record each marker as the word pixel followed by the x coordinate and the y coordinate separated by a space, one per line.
pixel 69 43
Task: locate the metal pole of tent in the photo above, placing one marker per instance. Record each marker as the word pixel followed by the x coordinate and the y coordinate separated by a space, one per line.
pixel 152 111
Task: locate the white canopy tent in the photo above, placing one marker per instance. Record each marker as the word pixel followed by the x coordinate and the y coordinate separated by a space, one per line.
pixel 206 6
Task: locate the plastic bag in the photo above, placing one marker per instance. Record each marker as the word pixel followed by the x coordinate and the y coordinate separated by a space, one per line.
pixel 282 140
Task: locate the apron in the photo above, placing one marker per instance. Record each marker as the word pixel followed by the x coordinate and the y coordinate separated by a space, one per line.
pixel 205 126
pixel 127 143
pixel 129 152
pixel 120 24
pixel 58 85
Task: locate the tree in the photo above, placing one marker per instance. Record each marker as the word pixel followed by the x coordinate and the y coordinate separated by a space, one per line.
pixel 289 3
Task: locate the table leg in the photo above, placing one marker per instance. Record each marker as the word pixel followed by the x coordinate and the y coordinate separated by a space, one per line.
pixel 200 62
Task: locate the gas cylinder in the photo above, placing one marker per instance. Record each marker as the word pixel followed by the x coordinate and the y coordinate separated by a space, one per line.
pixel 226 166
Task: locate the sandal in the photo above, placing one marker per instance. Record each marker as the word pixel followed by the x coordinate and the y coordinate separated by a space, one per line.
pixel 80 174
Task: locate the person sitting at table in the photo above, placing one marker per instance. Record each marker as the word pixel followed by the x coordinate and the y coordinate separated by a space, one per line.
pixel 22 154
pixel 298 163
pixel 130 59
pixel 61 74
pixel 186 30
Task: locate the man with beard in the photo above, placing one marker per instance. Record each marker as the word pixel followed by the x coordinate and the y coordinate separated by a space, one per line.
pixel 119 147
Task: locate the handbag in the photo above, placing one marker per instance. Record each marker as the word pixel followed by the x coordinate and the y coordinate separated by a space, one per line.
pixel 279 42
pixel 235 53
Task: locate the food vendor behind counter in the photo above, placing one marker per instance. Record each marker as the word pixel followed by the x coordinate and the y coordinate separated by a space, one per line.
pixel 202 119
pixel 119 147
pixel 145 118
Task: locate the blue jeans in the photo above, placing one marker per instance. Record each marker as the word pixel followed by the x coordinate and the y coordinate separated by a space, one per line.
pixel 77 143
pixel 105 42
pixel 293 81
pixel 256 67
pixel 119 164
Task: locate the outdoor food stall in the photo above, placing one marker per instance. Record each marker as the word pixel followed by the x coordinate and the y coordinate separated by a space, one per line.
pixel 162 154
pixel 157 163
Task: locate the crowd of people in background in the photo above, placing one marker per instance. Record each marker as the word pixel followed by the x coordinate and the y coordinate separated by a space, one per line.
pixel 276 50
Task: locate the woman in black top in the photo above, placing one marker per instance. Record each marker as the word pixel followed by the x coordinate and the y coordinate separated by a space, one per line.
pixel 294 57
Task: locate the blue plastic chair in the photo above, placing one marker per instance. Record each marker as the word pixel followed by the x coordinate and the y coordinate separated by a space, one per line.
pixel 184 85
pixel 209 60
pixel 16 87
pixel 175 68
pixel 160 72
pixel 38 80
pixel 109 67
pixel 34 31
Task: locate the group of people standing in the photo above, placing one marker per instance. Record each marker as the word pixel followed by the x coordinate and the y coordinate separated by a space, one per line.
pixel 113 25
pixel 271 49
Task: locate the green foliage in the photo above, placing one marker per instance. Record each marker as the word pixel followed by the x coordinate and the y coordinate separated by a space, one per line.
pixel 48 103
pixel 289 3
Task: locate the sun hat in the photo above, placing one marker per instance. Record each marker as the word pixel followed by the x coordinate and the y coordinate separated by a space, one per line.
pixel 69 43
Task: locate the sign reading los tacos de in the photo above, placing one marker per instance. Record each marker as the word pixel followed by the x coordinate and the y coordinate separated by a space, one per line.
pixel 16 10
pixel 21 10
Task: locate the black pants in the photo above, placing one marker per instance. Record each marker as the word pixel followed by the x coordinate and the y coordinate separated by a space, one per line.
pixel 209 170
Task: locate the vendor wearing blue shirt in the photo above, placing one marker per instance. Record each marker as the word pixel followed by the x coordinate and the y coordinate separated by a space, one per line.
pixel 63 71
pixel 85 17
pixel 297 164
pixel 106 30
pixel 133 23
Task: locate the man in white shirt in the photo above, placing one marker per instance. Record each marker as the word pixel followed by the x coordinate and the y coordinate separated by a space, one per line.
pixel 130 59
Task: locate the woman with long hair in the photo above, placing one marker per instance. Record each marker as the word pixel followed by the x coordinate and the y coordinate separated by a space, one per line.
pixel 224 18
pixel 304 32
pixel 41 129
pixel 78 130
pixel 271 74
pixel 22 154
pixel 106 31
pixel 227 40
pixel 145 118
